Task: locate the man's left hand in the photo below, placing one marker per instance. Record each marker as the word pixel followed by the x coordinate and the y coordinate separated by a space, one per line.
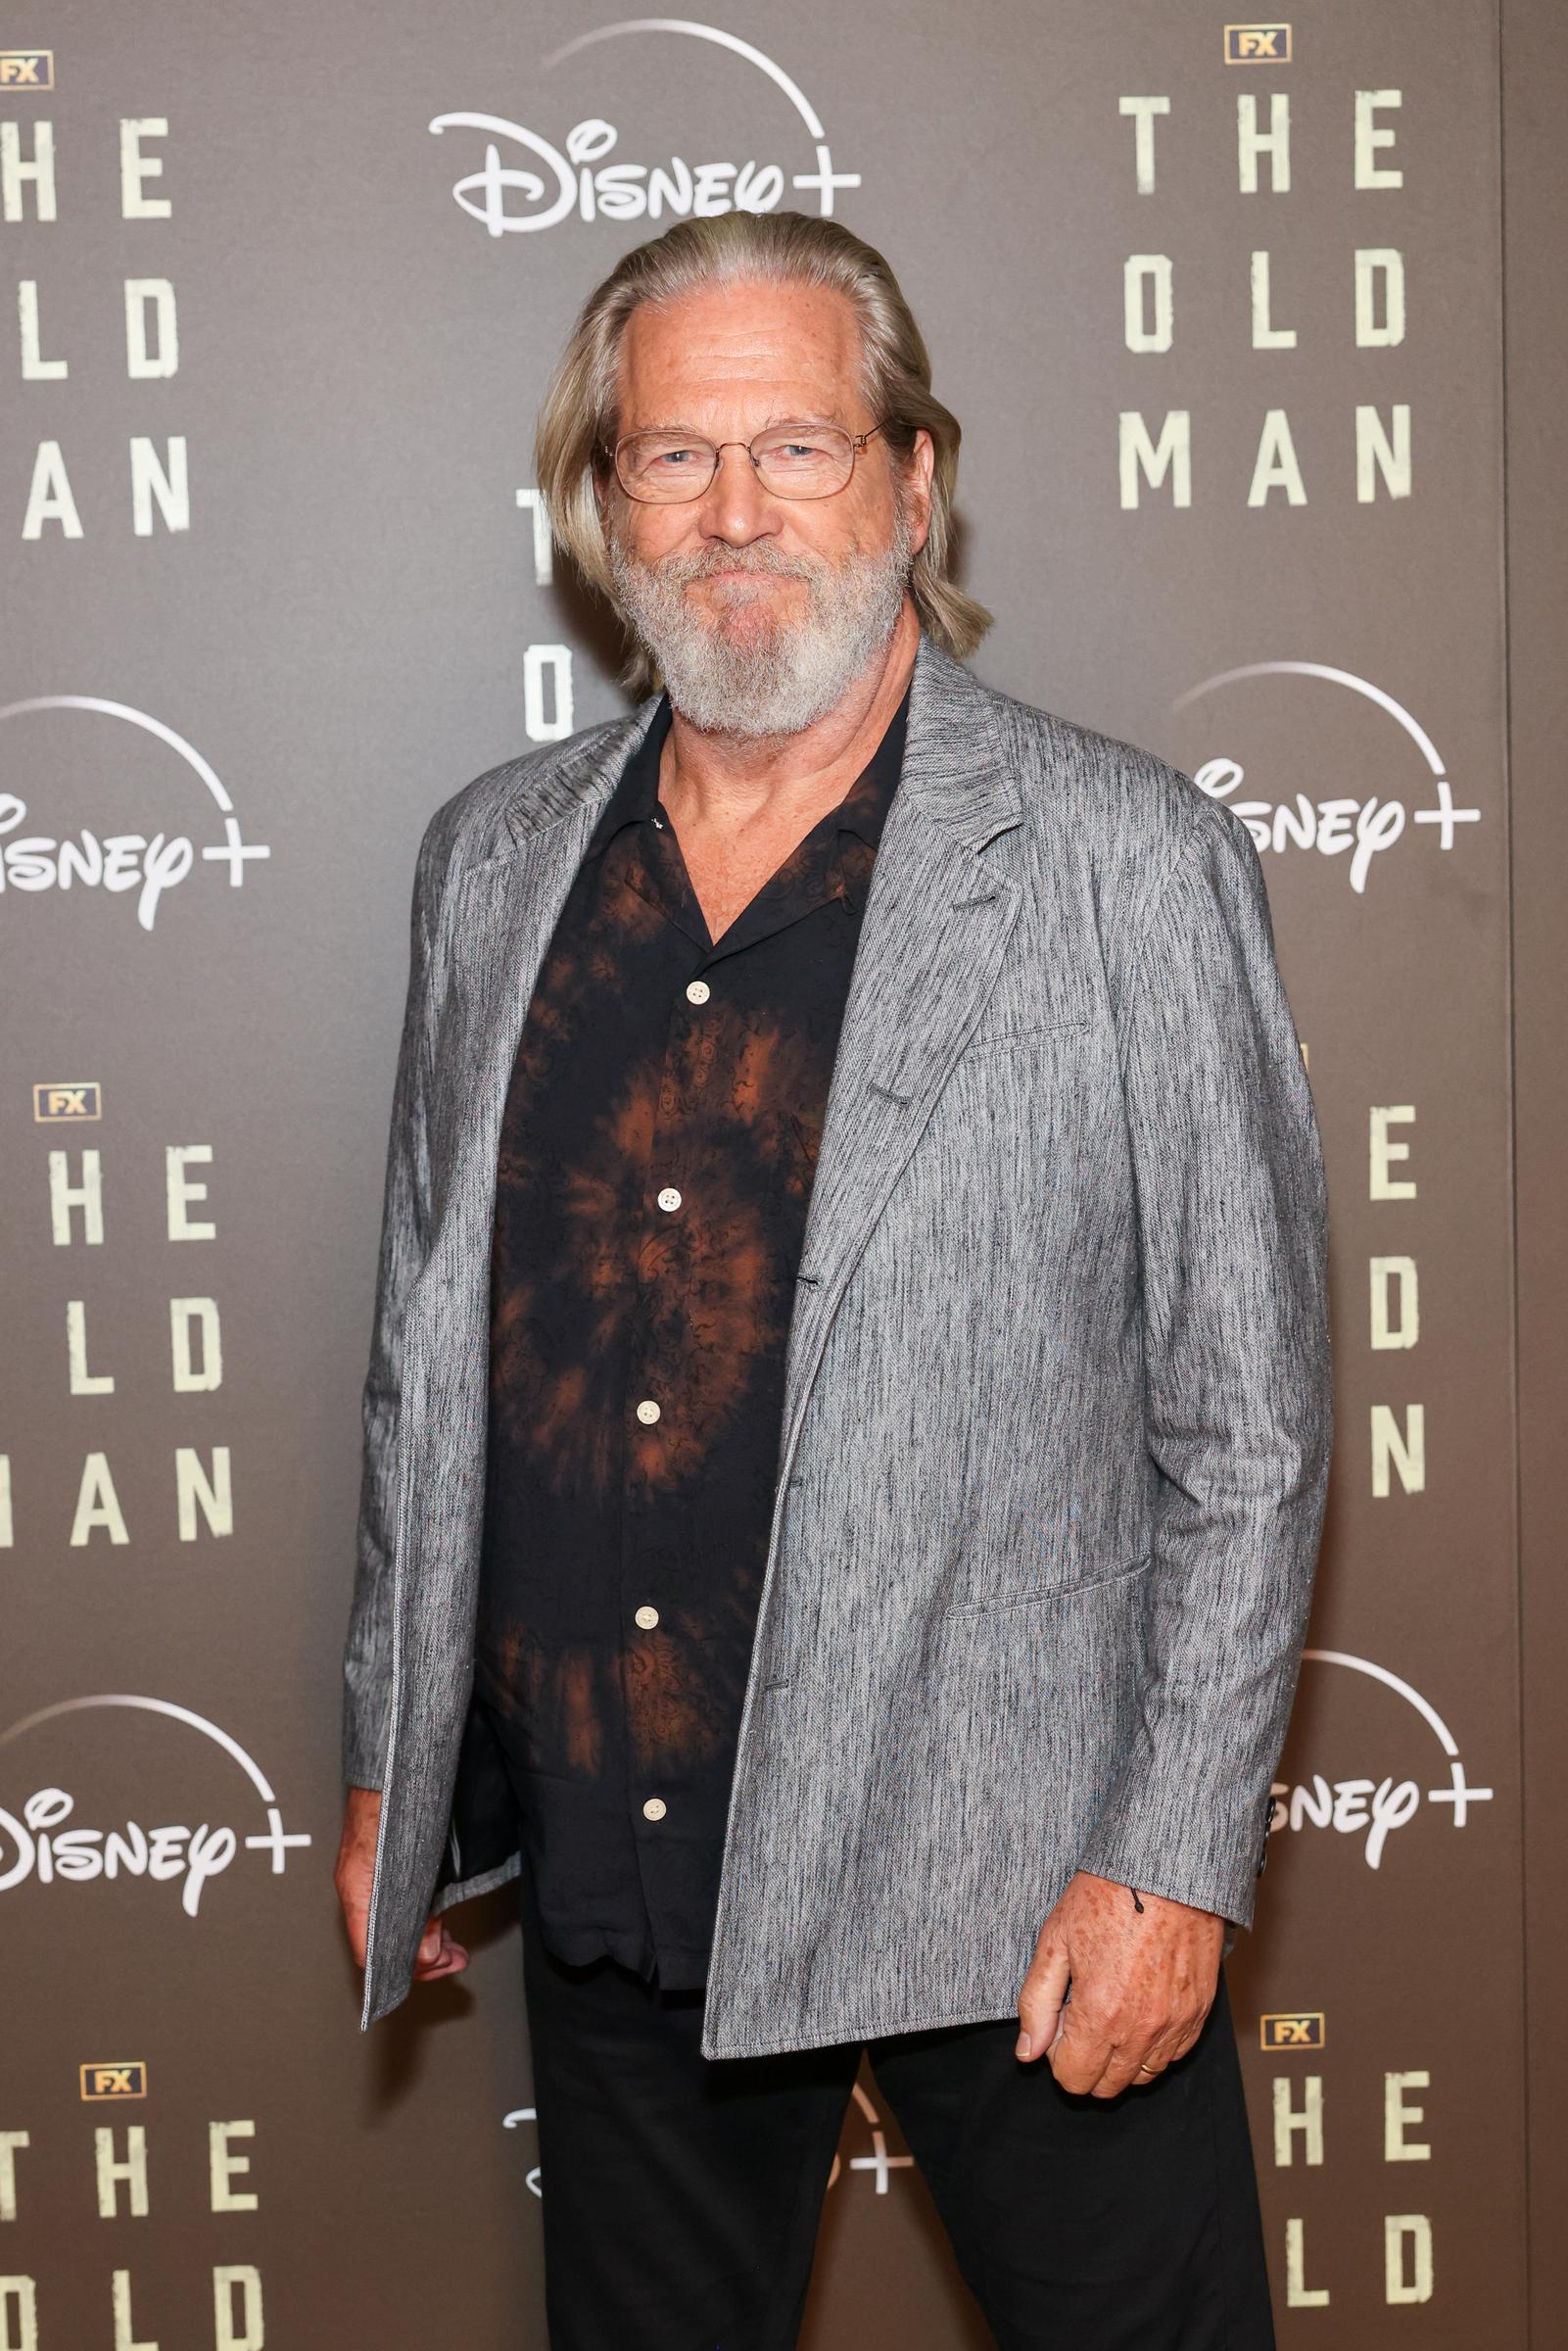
pixel 1143 1981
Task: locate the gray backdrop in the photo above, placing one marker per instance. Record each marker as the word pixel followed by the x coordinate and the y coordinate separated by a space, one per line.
pixel 1233 484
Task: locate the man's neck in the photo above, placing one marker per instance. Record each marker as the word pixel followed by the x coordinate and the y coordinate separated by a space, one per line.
pixel 729 780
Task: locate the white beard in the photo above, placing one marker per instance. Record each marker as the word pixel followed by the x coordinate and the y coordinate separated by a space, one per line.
pixel 779 676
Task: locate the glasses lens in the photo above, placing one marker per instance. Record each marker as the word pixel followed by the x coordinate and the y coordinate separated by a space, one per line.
pixel 665 466
pixel 805 461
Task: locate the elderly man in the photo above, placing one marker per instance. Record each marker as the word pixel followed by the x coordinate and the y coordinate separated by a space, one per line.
pixel 848 1415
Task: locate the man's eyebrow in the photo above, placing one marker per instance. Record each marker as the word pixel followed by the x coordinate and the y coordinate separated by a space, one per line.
pixel 779 416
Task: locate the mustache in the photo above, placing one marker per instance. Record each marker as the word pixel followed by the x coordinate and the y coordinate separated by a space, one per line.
pixel 700 563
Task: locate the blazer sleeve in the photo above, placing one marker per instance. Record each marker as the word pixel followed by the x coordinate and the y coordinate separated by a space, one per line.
pixel 1233 1229
pixel 404 1250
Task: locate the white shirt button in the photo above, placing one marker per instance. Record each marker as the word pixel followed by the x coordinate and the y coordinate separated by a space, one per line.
pixel 648 1410
pixel 697 991
pixel 653 1808
pixel 648 1617
pixel 669 1197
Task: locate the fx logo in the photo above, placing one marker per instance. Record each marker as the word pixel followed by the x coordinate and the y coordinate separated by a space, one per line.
pixel 1258 44
pixel 114 2081
pixel 66 1104
pixel 1304 2029
pixel 27 69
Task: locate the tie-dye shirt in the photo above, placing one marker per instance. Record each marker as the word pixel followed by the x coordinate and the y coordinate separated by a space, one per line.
pixel 656 1158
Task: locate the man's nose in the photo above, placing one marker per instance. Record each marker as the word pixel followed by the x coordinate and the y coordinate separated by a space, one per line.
pixel 735 506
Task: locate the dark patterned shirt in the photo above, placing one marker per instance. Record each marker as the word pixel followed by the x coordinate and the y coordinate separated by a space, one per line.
pixel 656 1158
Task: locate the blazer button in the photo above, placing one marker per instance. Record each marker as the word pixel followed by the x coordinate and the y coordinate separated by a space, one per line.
pixel 648 1410
pixel 648 1617
pixel 653 1808
pixel 697 991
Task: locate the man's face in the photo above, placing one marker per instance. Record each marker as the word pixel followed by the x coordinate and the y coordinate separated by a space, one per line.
pixel 760 610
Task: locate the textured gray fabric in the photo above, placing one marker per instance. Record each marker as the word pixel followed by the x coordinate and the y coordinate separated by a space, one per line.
pixel 1057 1420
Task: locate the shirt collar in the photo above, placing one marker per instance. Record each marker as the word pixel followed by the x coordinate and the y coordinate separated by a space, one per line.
pixel 862 811
pixel 637 795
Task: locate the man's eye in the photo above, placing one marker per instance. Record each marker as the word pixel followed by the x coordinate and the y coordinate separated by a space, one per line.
pixel 673 456
pixel 796 450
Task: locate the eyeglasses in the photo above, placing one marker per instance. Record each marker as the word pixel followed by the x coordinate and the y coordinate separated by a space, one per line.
pixel 793 460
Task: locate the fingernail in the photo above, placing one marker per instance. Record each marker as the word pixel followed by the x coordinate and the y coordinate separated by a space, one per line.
pixel 1024 2045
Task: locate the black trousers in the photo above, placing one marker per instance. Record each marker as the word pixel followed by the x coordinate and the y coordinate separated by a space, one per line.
pixel 681 2194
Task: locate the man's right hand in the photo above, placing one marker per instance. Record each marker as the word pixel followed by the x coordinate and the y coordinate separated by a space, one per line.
pixel 440 1952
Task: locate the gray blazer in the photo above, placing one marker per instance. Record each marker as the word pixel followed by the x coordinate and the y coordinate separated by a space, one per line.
pixel 1056 1422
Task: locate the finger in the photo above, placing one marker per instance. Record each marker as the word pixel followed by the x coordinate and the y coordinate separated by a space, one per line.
pixel 449 1963
pixel 1140 2060
pixel 1137 2061
pixel 1187 2038
pixel 1082 2051
pixel 440 1952
pixel 1040 2004
pixel 446 1965
pixel 354 1920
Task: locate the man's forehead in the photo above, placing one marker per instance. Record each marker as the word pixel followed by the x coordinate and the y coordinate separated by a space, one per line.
pixel 744 335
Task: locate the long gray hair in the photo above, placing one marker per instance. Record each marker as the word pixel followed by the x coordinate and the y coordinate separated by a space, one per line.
pixel 576 432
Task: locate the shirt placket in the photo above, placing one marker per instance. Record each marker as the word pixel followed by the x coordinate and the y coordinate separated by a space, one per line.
pixel 653 1575
pixel 653 1596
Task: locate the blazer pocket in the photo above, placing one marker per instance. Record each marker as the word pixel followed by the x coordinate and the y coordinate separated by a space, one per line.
pixel 997 1603
pixel 999 1040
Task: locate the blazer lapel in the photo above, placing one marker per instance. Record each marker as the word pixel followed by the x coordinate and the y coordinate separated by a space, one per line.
pixel 504 912
pixel 932 937
pixel 934 932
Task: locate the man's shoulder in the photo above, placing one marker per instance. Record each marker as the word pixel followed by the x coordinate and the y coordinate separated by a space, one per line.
pixel 1083 774
pixel 1115 808
pixel 472 824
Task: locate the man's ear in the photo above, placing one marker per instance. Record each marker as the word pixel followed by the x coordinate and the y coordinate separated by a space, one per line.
pixel 920 469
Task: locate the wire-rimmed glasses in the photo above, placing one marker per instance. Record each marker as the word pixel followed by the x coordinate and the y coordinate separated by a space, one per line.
pixel 664 467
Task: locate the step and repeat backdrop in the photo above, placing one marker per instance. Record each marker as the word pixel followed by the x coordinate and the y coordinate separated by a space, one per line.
pixel 1219 306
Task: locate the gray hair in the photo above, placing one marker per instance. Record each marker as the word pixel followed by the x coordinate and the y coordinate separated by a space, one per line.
pixel 576 430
